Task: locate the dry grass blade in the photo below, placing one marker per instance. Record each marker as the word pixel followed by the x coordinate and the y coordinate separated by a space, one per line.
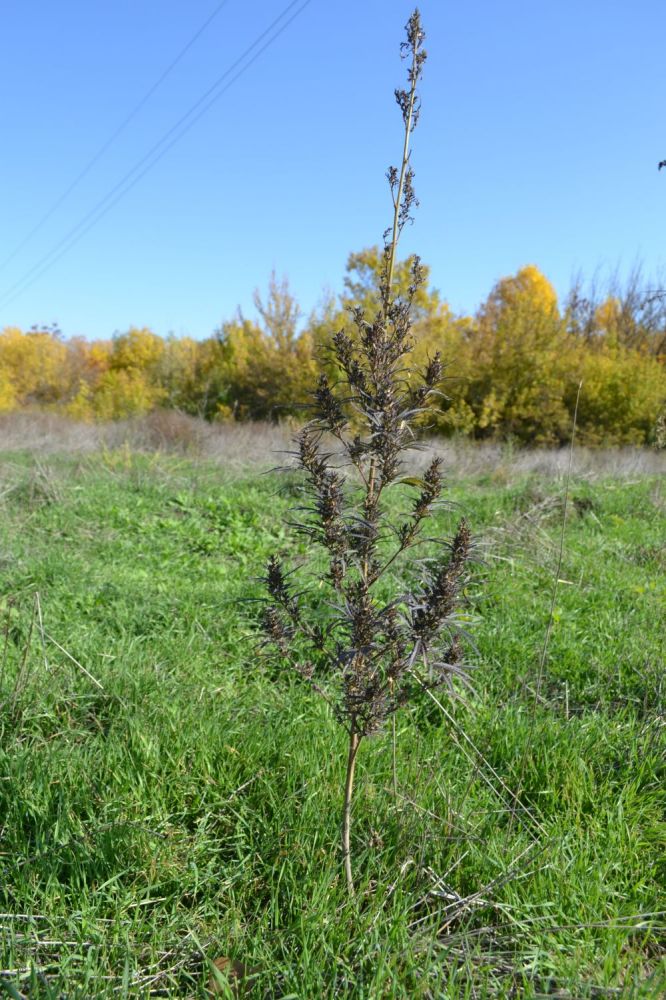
pixel 74 661
pixel 510 806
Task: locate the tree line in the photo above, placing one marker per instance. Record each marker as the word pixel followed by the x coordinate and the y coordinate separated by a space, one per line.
pixel 513 368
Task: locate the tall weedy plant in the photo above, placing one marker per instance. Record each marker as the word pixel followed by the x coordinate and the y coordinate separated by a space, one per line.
pixel 373 653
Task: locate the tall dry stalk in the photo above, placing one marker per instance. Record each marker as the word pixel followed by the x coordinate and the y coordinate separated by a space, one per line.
pixel 365 660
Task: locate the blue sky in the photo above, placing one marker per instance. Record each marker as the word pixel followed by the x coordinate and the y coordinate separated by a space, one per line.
pixel 541 131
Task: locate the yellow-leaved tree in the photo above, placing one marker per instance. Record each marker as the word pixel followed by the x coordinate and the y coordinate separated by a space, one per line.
pixel 618 357
pixel 87 363
pixel 7 393
pixel 131 384
pixel 264 372
pixel 177 372
pixel 521 362
pixel 32 368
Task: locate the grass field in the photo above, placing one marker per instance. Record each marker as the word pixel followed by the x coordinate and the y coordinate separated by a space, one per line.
pixel 166 795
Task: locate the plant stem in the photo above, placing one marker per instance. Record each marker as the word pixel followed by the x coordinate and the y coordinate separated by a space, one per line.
pixel 394 751
pixel 354 742
pixel 369 502
pixel 403 171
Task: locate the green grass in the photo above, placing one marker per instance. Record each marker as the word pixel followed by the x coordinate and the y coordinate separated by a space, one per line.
pixel 191 801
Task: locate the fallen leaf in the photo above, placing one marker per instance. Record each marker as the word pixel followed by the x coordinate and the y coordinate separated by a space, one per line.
pixel 238 976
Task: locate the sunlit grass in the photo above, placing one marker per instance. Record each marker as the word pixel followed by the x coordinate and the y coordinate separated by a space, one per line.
pixel 187 802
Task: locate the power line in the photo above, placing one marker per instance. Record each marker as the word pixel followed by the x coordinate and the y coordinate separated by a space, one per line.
pixel 112 138
pixel 155 154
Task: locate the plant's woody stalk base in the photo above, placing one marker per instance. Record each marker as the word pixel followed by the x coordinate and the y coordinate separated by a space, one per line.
pixel 354 741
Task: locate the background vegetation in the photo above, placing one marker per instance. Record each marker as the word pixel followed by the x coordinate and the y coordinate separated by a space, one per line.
pixel 514 367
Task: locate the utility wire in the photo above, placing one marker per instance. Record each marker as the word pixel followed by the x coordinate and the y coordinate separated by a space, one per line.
pixel 155 154
pixel 112 138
